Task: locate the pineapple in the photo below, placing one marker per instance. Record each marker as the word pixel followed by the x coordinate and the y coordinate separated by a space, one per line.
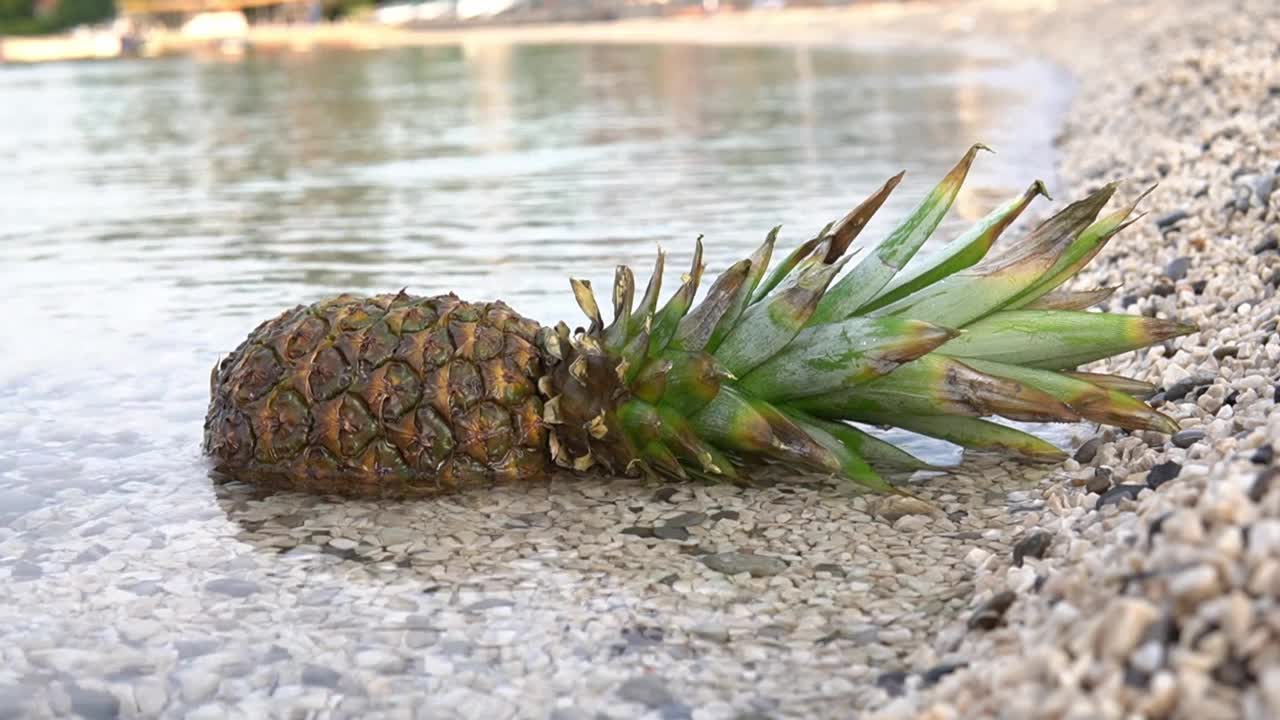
pixel 398 395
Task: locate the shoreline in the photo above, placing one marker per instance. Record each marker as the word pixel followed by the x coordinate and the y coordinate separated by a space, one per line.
pixel 869 25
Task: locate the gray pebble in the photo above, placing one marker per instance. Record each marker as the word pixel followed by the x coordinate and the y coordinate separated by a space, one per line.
pixel 195 648
pixel 835 570
pixel 1180 389
pixel 665 494
pixel 1235 673
pixel 1100 482
pixel 93 704
pixel 13 702
pixel 1263 186
pixel 893 682
pixel 145 588
pixel 232 586
pixel 1177 269
pixel 1262 484
pixel 319 596
pixel 489 604
pixel 714 633
pixel 1163 473
pixel 16 502
pixel 1170 219
pixel 320 676
pixel 675 711
pixel 23 570
pixel 687 519
pixel 1186 438
pixel 668 532
pixel 1118 493
pixel 646 690
pixel 1243 196
pixel 931 676
pixel 1088 450
pixel 732 563
pixel 991 613
pixel 1263 455
pixel 276 654
pixel 1033 545
pixel 1225 351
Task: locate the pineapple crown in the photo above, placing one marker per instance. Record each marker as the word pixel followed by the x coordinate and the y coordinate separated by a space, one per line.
pixel 771 365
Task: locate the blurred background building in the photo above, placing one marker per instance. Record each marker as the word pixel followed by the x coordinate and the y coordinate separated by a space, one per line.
pixel 31 17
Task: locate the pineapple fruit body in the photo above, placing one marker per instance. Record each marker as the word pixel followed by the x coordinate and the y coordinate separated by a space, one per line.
pixel 383 395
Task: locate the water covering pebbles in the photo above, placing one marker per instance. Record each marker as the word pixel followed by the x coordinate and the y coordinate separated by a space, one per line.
pixel 1138 579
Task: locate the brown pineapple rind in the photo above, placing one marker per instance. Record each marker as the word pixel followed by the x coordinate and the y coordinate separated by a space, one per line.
pixel 392 395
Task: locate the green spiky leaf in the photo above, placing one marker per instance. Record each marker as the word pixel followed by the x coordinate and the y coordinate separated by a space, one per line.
pixel 1059 339
pixel 868 277
pixel 843 354
pixel 958 254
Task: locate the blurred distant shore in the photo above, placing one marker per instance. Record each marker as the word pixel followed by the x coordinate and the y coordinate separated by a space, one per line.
pixel 228 35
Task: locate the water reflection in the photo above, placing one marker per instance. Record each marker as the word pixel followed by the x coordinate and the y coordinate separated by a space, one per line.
pixel 155 210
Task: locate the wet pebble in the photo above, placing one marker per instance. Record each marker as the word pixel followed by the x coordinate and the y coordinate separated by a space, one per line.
pixel 1171 219
pixel 685 519
pixel 671 532
pixel 931 676
pixel 990 614
pixel 93 704
pixel 23 570
pixel 1180 389
pixel 1263 455
pixel 1033 546
pixel 732 563
pixel 489 604
pixel 893 682
pixel 1100 481
pixel 195 648
pixel 648 690
pixel 835 570
pixel 319 676
pixel 665 494
pixel 1263 186
pixel 1177 269
pixel 232 586
pixel 1187 438
pixel 1087 451
pixel 1270 244
pixel 1118 493
pixel 1163 473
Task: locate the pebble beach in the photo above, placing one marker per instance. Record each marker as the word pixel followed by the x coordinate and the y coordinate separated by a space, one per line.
pixel 1141 578
pixel 1157 591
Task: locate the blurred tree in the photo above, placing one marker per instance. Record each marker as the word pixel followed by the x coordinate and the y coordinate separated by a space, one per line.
pixel 12 9
pixel 23 17
pixel 70 13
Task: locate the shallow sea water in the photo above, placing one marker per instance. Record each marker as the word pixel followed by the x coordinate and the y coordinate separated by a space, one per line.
pixel 154 211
